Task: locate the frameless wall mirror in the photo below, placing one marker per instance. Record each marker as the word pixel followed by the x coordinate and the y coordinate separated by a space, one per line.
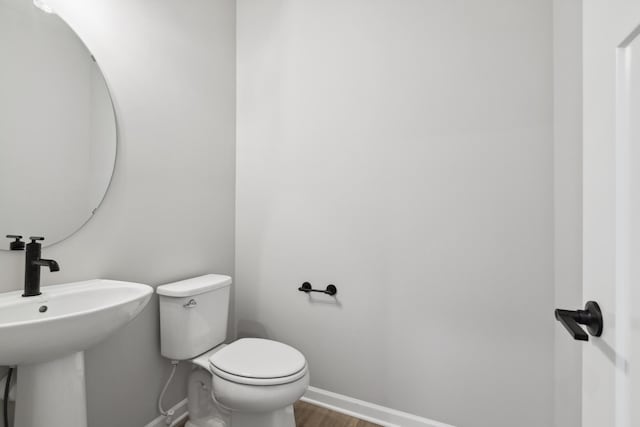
pixel 57 126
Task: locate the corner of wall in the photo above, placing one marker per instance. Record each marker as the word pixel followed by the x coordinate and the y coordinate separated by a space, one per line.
pixel 567 70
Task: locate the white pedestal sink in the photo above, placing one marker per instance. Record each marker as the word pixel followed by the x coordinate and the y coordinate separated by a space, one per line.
pixel 45 336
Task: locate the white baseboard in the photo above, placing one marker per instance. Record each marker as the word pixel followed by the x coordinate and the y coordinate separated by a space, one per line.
pixel 366 411
pixel 179 413
pixel 385 417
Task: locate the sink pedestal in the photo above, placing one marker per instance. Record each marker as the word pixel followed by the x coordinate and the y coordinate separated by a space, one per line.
pixel 52 394
pixel 45 336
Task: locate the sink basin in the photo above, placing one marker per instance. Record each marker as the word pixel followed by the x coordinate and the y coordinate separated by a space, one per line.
pixel 65 318
pixel 46 335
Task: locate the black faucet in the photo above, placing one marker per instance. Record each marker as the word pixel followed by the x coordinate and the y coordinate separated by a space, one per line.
pixel 32 267
pixel 33 263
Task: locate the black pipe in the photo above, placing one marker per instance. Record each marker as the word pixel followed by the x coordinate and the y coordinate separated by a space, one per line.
pixel 5 404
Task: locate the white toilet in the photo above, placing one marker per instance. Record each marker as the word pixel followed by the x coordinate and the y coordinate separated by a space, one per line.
pixel 251 382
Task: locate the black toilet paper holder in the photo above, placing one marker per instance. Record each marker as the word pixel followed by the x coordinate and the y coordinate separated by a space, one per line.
pixel 307 288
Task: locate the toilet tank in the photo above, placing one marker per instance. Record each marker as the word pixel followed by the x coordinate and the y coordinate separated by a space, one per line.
pixel 193 315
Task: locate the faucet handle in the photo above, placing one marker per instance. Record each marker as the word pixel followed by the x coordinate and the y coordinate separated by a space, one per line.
pixel 34 239
pixel 17 245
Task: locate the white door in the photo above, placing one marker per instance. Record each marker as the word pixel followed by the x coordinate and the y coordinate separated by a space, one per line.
pixel 611 375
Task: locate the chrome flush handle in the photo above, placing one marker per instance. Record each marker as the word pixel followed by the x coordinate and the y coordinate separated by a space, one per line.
pixel 192 303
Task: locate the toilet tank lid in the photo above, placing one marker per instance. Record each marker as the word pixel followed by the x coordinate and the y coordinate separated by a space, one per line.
pixel 194 286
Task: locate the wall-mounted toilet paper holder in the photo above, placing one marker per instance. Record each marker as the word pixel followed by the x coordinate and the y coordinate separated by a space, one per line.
pixel 306 287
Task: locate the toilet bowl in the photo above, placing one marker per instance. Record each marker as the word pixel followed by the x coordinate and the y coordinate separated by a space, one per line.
pixel 251 382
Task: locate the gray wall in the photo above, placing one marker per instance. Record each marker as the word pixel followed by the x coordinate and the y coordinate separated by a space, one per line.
pixel 568 204
pixel 170 211
pixel 403 151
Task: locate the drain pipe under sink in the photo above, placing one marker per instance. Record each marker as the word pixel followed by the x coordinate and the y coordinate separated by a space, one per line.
pixel 8 393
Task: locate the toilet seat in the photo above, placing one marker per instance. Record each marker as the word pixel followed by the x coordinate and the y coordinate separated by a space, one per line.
pixel 255 361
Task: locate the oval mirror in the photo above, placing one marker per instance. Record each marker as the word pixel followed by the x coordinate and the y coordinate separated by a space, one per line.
pixel 57 126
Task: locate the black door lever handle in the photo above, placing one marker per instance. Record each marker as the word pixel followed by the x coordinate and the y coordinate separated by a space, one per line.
pixel 591 317
pixel 567 318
